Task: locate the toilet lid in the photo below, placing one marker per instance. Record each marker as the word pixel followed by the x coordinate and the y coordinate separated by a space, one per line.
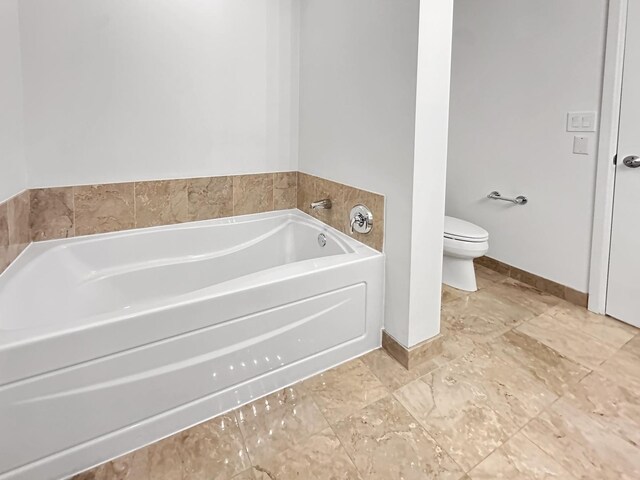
pixel 457 229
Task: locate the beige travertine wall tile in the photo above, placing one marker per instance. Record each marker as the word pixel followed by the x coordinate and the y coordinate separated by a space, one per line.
pixel 4 238
pixel 51 213
pixel 14 228
pixel 252 193
pixel 67 211
pixel 18 219
pixel 285 190
pixel 104 208
pixel 337 215
pixel 161 202
pixel 210 197
pixel 343 198
pixel 375 203
pixel 306 191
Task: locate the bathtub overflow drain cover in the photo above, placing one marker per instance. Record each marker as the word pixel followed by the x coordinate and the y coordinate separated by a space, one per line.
pixel 322 240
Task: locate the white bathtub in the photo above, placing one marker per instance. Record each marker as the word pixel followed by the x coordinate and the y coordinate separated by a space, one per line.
pixel 110 342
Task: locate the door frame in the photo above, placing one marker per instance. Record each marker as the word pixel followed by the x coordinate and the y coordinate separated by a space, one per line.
pixel 607 149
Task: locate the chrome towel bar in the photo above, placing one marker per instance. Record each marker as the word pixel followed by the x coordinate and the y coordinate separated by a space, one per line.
pixel 519 200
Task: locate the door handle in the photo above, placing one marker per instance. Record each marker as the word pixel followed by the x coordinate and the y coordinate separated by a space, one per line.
pixel 632 161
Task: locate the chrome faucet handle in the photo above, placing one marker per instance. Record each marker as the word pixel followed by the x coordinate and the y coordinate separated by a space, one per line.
pixel 361 219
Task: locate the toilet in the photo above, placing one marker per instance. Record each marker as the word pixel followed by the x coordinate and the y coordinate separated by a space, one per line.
pixel 463 241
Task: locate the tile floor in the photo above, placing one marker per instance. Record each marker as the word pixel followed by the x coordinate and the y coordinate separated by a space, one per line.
pixel 528 386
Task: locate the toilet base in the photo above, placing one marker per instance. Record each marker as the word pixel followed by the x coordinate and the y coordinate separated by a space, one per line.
pixel 459 273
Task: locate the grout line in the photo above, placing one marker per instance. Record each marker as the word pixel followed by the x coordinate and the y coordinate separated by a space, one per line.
pixel 135 206
pixel 73 206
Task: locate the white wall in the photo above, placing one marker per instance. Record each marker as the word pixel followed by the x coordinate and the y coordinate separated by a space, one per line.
pixel 146 89
pixel 358 125
pixel 357 116
pixel 429 170
pixel 518 68
pixel 12 166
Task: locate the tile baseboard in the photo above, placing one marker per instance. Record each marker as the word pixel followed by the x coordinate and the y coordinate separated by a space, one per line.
pixel 556 289
pixel 411 357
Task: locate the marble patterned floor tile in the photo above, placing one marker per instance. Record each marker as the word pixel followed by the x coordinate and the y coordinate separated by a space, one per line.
pixel 509 390
pixel 213 450
pixel 449 294
pixel 483 315
pixel 345 389
pixel 134 466
pixel 270 427
pixel 457 415
pixel 391 373
pixel 320 457
pixel 623 367
pixel 485 277
pixel 525 295
pixel 555 371
pixel 519 458
pixel 386 442
pixel 613 406
pixel 568 339
pixel 475 319
pixel 581 445
pixel 246 475
pixel 607 330
pixel 165 462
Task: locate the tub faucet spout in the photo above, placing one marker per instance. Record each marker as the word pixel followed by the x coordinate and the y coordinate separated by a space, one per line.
pixel 321 204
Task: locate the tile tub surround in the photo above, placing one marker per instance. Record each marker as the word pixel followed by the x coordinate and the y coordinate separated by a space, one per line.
pixel 510 396
pixel 343 197
pixel 62 212
pixel 561 291
pixel 14 228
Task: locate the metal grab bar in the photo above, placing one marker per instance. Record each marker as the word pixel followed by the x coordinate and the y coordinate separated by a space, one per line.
pixel 519 200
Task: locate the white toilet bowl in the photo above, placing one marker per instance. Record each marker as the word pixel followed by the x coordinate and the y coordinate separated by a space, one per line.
pixel 463 241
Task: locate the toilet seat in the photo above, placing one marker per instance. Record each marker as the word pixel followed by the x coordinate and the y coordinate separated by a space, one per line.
pixel 462 231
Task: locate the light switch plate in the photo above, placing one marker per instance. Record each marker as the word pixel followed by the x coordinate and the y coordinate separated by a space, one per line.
pixel 581 121
pixel 581 145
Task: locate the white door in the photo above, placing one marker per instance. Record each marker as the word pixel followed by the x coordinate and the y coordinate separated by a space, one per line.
pixel 623 297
